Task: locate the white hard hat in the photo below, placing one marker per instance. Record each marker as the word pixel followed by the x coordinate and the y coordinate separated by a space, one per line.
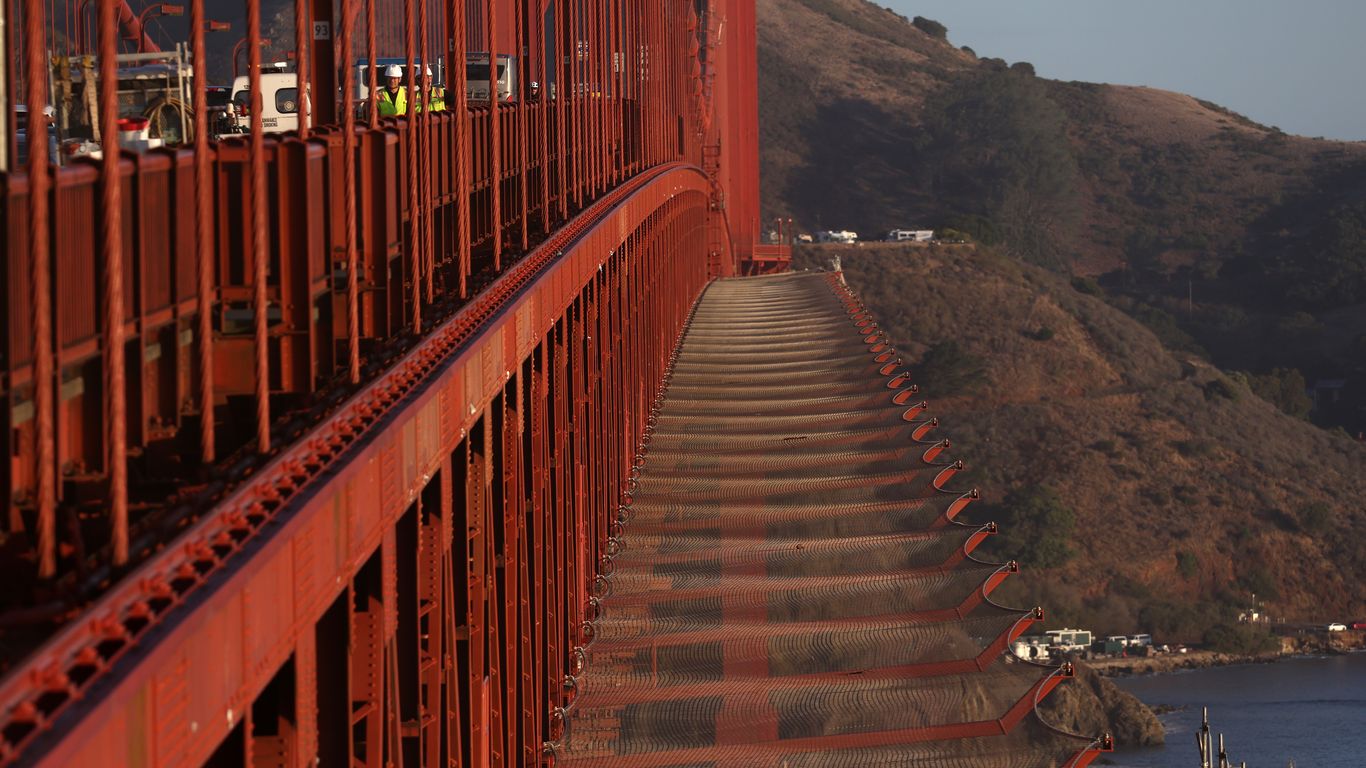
pixel 429 71
pixel 50 111
pixel 393 70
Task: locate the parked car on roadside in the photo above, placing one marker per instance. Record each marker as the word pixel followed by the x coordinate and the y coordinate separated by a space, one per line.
pixel 1337 627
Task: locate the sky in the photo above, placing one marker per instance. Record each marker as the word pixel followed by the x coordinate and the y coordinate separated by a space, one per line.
pixel 1299 65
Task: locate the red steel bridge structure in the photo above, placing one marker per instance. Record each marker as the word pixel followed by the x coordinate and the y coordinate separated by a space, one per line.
pixel 466 437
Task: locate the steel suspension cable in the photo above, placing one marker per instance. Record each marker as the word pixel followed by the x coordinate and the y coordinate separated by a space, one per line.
pixel 495 135
pixel 203 213
pixel 523 69
pixel 260 301
pixel 348 27
pixel 303 98
pixel 40 287
pixel 462 142
pixel 414 250
pixel 371 73
pixel 111 230
pixel 425 125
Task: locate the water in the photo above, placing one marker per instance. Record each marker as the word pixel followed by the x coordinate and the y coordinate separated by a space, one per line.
pixel 1310 710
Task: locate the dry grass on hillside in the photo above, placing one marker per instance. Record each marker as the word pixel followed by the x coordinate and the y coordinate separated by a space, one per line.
pixel 1158 454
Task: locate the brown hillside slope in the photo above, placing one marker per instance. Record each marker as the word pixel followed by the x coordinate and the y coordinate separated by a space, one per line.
pixel 843 89
pixel 833 70
pixel 1163 459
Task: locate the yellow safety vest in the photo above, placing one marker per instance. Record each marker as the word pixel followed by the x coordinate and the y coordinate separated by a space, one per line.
pixel 436 99
pixel 392 105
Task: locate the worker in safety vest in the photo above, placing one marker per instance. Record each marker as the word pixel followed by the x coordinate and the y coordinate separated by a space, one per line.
pixel 393 98
pixel 434 95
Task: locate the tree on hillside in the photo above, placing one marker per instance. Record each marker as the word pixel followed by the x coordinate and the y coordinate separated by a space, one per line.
pixel 1327 269
pixel 995 145
pixel 947 369
pixel 931 27
pixel 1284 388
pixel 1037 527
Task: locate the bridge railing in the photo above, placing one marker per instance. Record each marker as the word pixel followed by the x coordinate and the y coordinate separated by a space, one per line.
pixel 175 316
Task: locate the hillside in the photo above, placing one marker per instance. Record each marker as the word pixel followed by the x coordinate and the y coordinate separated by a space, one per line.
pixel 851 93
pixel 1162 491
pixel 1221 233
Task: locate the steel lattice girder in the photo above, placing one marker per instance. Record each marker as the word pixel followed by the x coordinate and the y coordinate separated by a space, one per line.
pixel 239 614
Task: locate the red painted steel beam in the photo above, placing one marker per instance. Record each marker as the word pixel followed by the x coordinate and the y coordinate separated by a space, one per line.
pixel 264 566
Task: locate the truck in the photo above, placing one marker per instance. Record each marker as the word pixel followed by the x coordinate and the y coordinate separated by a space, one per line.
pixel 156 87
pixel 910 235
pixel 1069 639
pixel 840 236
pixel 1113 645
pixel 477 77
pixel 279 104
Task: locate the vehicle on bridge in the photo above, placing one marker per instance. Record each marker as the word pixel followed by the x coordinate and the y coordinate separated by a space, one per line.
pixel 477 77
pixel 279 104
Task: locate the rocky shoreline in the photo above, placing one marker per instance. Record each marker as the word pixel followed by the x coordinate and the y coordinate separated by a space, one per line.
pixel 1090 704
pixel 1302 645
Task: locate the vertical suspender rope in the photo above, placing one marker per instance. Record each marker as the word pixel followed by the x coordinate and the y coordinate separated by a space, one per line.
pixel 260 249
pixel 303 98
pixel 462 146
pixel 562 95
pixel 523 92
pixel 414 234
pixel 611 97
pixel 371 72
pixel 495 137
pixel 40 286
pixel 598 95
pixel 203 217
pixel 348 27
pixel 542 115
pixel 425 126
pixel 111 231
pixel 576 139
pixel 585 141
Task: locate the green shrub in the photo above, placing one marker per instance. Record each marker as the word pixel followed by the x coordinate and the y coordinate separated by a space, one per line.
pixel 1087 286
pixel 1166 329
pixel 1038 527
pixel 1179 621
pixel 1259 582
pixel 1107 447
pixel 1187 564
pixel 1221 389
pixel 1283 388
pixel 931 27
pixel 1232 637
pixel 1194 449
pixel 1316 517
pixel 949 369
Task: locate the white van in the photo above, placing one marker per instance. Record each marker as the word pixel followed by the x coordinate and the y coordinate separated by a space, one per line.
pixel 279 104
pixel 477 77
